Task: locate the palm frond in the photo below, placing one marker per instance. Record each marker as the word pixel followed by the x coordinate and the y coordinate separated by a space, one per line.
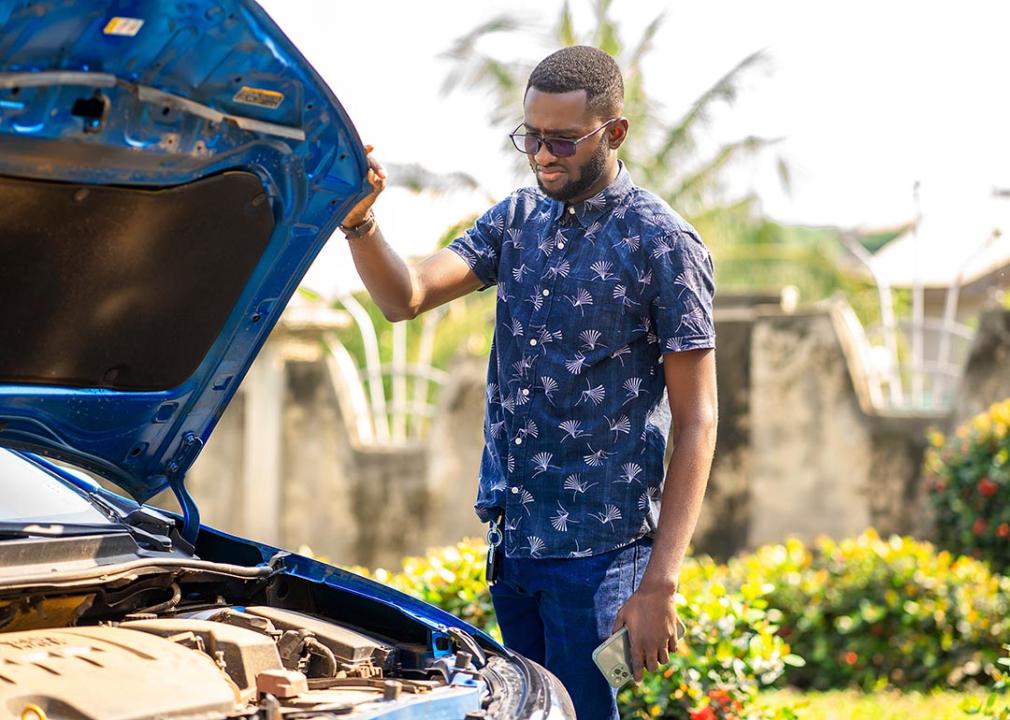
pixel 704 177
pixel 680 137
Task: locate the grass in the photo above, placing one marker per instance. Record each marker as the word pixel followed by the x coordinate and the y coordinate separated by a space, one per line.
pixel 885 705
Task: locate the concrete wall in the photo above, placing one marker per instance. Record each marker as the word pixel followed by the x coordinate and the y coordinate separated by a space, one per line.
pixel 796 453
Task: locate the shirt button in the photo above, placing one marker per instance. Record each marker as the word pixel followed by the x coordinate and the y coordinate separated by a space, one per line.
pixel 561 246
pixel 533 341
pixel 571 211
pixel 519 441
pixel 526 391
pixel 515 490
pixel 546 292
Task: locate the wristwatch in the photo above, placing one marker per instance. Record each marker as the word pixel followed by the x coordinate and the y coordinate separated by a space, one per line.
pixel 361 229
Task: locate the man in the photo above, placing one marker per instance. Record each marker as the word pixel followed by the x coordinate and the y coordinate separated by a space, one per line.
pixel 604 307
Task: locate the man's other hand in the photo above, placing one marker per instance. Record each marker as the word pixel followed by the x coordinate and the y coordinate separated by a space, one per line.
pixel 650 615
pixel 377 179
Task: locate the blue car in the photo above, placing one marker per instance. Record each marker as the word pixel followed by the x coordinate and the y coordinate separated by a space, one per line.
pixel 168 171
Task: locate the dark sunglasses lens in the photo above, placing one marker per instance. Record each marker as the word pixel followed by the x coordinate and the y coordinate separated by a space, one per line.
pixel 560 148
pixel 532 144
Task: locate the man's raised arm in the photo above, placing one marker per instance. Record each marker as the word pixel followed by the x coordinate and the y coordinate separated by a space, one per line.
pixel 401 291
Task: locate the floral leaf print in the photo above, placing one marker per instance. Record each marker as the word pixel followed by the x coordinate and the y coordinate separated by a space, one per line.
pixel 536 298
pixel 632 243
pixel 591 340
pixel 526 498
pixel 491 393
pixel 596 394
pixel 550 386
pixel 595 458
pixel 546 245
pixel 542 216
pixel 529 429
pixel 591 231
pixel 621 425
pixel 520 272
pixel 633 386
pixel 511 525
pixel 609 514
pixel 511 463
pixel 497 222
pixel 649 497
pixel 621 293
pixel 661 248
pixel 542 462
pixel 577 553
pixel 545 336
pixel 601 269
pixel 509 403
pixel 572 429
pixel 597 201
pixel 520 367
pixel 513 238
pixel 497 428
pixel 560 521
pixel 499 485
pixel 693 321
pixel 644 278
pixel 577 485
pixel 575 365
pixel 580 300
pixel 503 295
pixel 620 353
pixel 535 546
pixel 560 270
pixel 522 397
pixel 630 472
pixel 517 328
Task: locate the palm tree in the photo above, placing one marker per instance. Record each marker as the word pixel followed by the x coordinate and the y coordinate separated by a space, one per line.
pixel 661 155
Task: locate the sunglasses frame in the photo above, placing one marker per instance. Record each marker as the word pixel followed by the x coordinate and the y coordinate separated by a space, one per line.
pixel 520 138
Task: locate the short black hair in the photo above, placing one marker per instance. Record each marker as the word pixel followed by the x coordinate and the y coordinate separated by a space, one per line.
pixel 582 68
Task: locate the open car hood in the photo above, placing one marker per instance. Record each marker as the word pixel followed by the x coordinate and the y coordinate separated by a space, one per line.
pixel 168 171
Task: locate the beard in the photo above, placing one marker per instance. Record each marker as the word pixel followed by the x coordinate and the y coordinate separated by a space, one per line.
pixel 591 172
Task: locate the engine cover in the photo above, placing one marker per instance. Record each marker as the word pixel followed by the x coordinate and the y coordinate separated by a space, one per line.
pixel 106 673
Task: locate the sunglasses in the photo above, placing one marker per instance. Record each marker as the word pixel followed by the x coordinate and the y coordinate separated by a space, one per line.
pixel 558 147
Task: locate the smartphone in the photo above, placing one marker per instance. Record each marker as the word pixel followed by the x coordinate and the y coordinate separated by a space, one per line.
pixel 613 656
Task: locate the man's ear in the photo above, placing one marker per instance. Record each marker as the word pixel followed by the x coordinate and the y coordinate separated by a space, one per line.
pixel 617 133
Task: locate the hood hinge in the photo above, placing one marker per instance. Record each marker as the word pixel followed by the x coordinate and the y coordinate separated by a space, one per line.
pixel 175 472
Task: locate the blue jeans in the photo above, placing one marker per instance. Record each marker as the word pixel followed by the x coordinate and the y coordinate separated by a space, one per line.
pixel 556 611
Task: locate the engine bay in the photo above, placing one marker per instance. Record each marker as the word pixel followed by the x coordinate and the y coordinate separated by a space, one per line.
pixel 193 644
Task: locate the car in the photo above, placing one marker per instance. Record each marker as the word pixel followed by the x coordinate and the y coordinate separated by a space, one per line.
pixel 168 172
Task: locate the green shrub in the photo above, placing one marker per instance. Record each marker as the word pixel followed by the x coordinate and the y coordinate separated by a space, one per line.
pixel 731 649
pixel 451 578
pixel 871 612
pixel 994 707
pixel 968 476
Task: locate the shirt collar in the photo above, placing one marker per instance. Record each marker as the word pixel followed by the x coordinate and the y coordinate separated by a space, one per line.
pixel 591 209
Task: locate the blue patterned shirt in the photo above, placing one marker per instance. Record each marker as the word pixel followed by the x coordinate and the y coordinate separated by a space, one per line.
pixel 590 296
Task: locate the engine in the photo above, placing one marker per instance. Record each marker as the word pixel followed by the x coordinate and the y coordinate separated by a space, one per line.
pixel 253 662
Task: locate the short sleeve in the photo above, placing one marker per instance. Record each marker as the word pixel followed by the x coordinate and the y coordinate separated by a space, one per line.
pixel 685 286
pixel 480 246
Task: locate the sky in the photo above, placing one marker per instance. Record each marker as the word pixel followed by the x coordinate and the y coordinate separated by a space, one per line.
pixel 867 98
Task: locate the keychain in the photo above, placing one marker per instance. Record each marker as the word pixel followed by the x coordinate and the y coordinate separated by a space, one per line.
pixel 494 538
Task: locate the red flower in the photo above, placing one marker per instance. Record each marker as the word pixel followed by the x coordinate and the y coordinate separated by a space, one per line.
pixel 1003 530
pixel 979 526
pixel 940 486
pixel 987 487
pixel 705 713
pixel 850 658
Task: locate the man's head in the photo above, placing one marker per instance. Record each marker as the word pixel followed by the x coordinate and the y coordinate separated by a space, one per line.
pixel 571 93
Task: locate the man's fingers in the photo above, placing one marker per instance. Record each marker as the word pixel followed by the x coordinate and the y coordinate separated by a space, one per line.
pixel 673 643
pixel 651 660
pixel 664 655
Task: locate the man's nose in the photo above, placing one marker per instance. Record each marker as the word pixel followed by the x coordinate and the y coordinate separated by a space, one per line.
pixel 543 156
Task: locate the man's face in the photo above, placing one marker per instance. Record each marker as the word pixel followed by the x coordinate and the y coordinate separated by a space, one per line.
pixel 565 115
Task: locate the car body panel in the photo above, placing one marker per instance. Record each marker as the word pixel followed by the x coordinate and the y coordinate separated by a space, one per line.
pixel 150 96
